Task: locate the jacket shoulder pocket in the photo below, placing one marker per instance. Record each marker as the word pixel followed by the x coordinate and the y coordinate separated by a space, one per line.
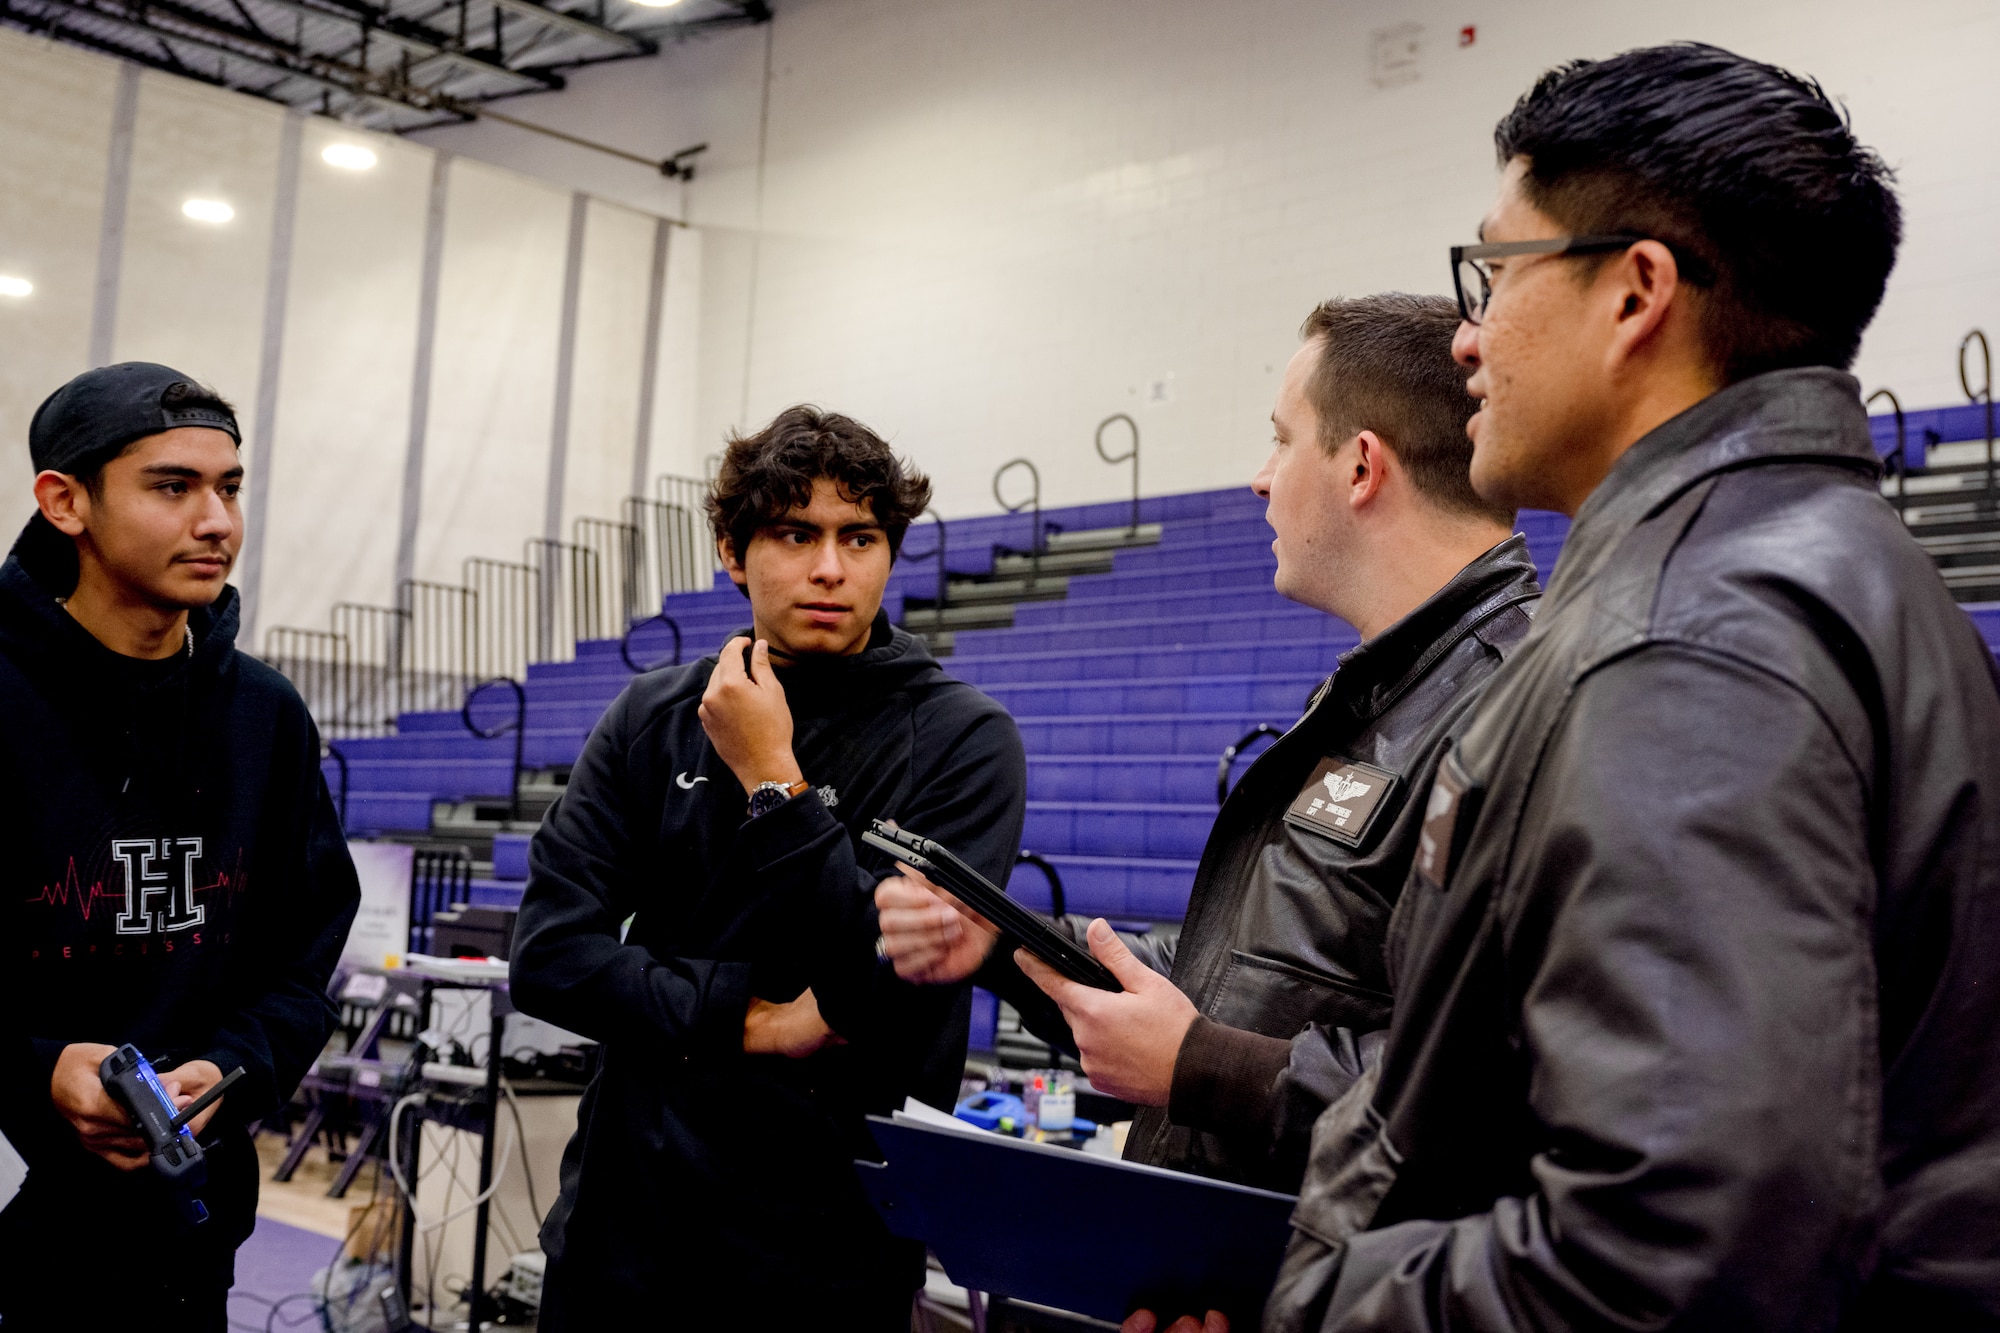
pixel 1449 813
pixel 1278 999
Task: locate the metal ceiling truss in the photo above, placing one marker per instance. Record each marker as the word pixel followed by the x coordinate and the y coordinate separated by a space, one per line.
pixel 396 65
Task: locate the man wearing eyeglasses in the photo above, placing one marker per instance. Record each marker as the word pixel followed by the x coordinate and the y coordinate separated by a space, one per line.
pixel 1698 970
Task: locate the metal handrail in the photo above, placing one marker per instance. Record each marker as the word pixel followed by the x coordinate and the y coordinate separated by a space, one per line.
pixel 519 726
pixel 1983 395
pixel 320 666
pixel 378 637
pixel 1058 901
pixel 1033 500
pixel 438 642
pixel 620 548
pixel 1229 757
pixel 578 571
pixel 677 536
pixel 1900 453
pixel 625 644
pixel 332 751
pixel 1132 454
pixel 943 574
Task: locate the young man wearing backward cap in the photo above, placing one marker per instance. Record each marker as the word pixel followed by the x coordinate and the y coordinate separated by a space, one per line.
pixel 175 874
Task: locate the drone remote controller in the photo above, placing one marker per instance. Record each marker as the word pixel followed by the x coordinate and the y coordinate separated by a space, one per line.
pixel 129 1079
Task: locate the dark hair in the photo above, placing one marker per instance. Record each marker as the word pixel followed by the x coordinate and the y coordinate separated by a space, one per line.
pixel 1749 173
pixel 763 476
pixel 179 397
pixel 1385 365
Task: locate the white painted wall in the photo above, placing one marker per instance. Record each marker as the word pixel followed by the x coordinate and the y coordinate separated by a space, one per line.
pixel 194 295
pixel 486 463
pixel 56 105
pixel 335 470
pixel 985 227
pixel 981 228
pixel 610 344
pixel 191 294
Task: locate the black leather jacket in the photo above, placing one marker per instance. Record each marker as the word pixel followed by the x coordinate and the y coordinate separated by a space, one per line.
pixel 1698 972
pixel 1282 947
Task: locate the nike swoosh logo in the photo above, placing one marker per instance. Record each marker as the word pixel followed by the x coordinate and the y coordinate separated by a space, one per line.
pixel 686 783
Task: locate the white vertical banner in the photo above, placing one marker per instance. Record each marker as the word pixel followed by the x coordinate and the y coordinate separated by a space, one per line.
pixel 381 931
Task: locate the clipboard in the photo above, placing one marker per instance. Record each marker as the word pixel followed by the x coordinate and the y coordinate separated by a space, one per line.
pixel 1032 932
pixel 1068 1230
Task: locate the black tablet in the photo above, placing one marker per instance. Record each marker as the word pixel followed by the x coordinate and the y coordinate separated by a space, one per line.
pixel 1026 928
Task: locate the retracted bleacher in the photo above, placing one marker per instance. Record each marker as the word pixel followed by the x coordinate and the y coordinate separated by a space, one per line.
pixel 1126 685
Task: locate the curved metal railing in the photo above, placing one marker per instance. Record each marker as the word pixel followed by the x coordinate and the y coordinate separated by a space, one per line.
pixel 1982 395
pixel 1058 901
pixel 943 574
pixel 1900 454
pixel 1033 502
pixel 625 644
pixel 518 725
pixel 1230 754
pixel 1132 454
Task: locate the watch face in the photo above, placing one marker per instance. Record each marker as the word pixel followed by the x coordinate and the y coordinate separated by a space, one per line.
pixel 766 799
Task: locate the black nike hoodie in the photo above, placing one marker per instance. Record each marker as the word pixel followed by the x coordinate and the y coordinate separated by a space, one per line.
pixel 175 877
pixel 702 1182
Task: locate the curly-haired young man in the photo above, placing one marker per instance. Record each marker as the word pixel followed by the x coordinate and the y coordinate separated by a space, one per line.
pixel 748 1025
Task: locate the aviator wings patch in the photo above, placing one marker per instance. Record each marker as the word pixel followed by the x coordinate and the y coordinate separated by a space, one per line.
pixel 1341 799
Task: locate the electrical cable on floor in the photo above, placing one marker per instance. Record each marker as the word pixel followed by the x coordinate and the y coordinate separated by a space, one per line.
pixel 271 1320
pixel 428 1229
pixel 527 1167
pixel 396 1166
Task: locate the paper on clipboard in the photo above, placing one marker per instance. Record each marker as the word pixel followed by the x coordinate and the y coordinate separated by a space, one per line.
pixel 922 1113
pixel 13 1172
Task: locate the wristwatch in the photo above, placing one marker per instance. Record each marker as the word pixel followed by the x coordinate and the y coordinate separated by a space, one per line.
pixel 768 796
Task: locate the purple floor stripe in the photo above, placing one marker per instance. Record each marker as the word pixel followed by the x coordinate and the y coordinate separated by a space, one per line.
pixel 277 1261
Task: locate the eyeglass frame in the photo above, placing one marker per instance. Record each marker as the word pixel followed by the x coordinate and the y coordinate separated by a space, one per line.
pixel 1554 245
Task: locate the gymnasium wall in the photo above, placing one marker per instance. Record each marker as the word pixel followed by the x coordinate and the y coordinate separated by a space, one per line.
pixel 983 227
pixel 433 358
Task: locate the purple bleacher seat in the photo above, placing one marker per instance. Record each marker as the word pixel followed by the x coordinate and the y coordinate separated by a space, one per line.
pixel 1126 691
pixel 985 1019
pixel 510 857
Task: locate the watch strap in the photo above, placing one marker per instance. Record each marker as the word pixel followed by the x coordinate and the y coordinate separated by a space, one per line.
pixel 767 796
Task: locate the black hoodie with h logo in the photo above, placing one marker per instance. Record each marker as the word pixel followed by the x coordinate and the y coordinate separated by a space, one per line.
pixel 175 877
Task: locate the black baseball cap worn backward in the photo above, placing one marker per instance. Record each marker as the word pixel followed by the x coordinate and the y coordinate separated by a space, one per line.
pixel 89 421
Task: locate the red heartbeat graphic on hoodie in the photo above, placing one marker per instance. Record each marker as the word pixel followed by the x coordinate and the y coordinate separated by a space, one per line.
pixel 70 889
pixel 231 882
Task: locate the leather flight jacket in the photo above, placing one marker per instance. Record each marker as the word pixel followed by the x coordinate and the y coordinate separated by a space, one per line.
pixel 1698 970
pixel 1282 948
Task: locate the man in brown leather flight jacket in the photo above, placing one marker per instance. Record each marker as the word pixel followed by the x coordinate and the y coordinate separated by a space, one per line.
pixel 1698 975
pixel 1278 986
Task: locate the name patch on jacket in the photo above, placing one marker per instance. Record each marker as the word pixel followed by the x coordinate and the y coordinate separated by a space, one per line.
pixel 1341 799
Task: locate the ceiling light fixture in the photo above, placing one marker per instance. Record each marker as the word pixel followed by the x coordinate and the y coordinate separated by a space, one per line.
pixel 208 210
pixel 348 156
pixel 10 286
pixel 657 4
